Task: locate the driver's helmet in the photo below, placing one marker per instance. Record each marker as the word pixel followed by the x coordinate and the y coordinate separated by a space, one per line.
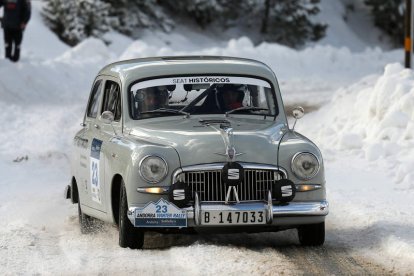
pixel 151 98
pixel 230 96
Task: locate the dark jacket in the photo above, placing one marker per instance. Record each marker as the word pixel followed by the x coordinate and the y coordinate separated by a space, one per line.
pixel 16 12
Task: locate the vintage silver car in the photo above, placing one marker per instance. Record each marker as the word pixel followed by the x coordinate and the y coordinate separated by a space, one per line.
pixel 194 144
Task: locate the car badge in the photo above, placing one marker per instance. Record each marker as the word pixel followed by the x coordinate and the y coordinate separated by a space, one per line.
pixel 233 174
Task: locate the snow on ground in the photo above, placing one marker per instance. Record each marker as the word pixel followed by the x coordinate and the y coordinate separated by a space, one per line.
pixel 365 130
pixel 366 134
pixel 39 235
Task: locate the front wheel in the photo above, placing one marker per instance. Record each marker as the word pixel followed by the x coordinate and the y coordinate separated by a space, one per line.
pixel 312 234
pixel 129 236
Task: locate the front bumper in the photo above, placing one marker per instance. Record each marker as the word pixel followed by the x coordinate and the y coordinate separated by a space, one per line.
pixel 289 214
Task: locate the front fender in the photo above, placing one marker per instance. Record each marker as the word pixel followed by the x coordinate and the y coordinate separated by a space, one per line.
pixel 291 144
pixel 133 179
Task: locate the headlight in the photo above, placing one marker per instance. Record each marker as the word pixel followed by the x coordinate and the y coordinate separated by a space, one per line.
pixel 153 169
pixel 305 165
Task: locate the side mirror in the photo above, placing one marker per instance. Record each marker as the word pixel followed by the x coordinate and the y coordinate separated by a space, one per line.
pixel 297 113
pixel 107 117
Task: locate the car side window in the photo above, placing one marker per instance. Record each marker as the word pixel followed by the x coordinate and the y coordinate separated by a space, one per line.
pixel 112 99
pixel 92 110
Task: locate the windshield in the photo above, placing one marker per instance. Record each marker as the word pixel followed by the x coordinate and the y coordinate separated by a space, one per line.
pixel 201 95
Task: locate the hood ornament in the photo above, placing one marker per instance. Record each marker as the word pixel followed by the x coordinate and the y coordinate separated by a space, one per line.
pixel 227 133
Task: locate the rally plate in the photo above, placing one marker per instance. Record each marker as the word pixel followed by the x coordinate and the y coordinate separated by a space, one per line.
pixel 160 214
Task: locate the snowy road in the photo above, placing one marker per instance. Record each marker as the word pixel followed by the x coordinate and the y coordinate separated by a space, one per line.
pixel 365 129
pixel 39 233
pixel 32 243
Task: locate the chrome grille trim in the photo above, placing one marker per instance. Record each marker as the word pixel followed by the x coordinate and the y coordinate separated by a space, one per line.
pixel 257 181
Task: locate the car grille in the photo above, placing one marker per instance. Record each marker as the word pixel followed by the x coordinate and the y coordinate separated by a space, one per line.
pixel 209 186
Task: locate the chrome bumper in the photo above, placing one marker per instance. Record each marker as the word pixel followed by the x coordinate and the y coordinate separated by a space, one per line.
pixel 292 213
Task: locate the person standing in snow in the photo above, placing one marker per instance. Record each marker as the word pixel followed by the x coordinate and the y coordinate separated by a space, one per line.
pixel 16 15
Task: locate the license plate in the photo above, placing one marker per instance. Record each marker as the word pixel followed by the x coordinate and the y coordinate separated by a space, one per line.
pixel 232 217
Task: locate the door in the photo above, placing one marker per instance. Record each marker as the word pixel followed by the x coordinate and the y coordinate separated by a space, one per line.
pixel 103 149
pixel 92 187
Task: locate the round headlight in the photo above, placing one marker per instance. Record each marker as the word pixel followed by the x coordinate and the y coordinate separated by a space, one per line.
pixel 153 169
pixel 305 165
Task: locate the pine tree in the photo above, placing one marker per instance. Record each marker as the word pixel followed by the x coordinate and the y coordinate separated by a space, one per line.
pixel 93 18
pixel 389 16
pixel 283 21
pixel 289 21
pixel 203 12
pixel 129 16
pixel 75 20
pixel 60 16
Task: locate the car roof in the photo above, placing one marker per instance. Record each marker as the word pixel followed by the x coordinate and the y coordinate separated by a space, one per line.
pixel 144 68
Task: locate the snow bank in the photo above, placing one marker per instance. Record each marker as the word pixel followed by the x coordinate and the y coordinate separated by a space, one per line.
pixel 91 50
pixel 375 116
pixel 65 79
pixel 366 133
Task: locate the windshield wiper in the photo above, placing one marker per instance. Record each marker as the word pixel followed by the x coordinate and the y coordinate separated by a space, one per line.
pixel 167 110
pixel 246 108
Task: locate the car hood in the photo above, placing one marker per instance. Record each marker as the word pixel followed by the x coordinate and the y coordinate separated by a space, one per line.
pixel 255 140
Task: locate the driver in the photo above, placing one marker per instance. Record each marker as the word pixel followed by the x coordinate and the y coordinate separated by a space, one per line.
pixel 230 97
pixel 151 98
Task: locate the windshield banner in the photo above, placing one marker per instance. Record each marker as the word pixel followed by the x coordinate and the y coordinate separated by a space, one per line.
pixel 199 80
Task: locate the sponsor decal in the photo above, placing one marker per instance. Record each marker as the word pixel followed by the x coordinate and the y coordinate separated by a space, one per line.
pixel 94 170
pixel 160 214
pixel 199 80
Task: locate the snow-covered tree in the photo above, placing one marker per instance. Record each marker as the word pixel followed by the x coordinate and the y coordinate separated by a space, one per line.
pixel 131 16
pixel 75 20
pixel 290 21
pixel 284 21
pixel 203 12
pixel 60 16
pixel 93 17
pixel 389 16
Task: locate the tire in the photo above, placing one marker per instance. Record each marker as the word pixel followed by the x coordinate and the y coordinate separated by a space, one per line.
pixel 129 236
pixel 312 234
pixel 86 222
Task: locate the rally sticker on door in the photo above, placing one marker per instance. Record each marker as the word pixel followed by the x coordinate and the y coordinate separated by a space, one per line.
pixel 94 170
pixel 160 214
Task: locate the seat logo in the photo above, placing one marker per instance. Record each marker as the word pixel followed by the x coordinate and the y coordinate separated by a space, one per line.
pixel 179 194
pixel 233 174
pixel 286 191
